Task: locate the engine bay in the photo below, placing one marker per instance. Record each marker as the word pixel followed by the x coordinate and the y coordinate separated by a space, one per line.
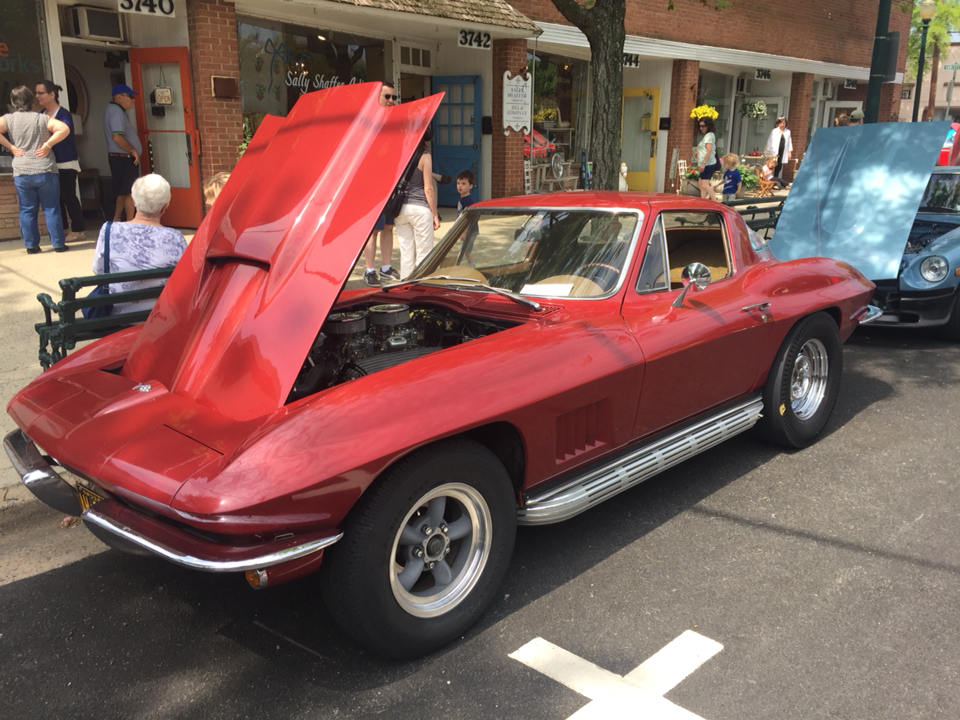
pixel 355 342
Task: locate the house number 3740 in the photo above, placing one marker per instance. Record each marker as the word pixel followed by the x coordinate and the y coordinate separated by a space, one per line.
pixel 163 7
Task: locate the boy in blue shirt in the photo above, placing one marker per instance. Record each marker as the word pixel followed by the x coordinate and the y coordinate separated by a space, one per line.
pixel 731 177
pixel 465 182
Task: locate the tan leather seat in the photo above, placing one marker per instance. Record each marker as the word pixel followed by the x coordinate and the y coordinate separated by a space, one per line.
pixel 582 287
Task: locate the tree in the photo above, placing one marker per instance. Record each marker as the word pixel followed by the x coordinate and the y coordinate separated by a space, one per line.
pixel 945 20
pixel 602 21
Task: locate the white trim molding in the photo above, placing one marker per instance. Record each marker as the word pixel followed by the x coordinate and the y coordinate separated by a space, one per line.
pixel 570 36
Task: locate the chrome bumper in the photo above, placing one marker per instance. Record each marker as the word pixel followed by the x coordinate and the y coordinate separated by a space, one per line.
pixel 872 313
pixel 150 533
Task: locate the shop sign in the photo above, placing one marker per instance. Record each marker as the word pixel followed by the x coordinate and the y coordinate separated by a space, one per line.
pixel 474 39
pixel 516 102
pixel 762 74
pixel 631 60
pixel 164 8
pixel 849 84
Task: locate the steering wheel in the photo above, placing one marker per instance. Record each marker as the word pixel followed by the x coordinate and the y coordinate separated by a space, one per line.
pixel 604 275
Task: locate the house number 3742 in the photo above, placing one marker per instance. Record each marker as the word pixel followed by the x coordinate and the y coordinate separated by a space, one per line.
pixel 474 39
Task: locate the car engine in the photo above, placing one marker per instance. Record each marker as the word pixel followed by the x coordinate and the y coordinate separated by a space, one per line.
pixel 357 342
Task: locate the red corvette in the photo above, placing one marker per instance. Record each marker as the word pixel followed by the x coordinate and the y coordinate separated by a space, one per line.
pixel 551 352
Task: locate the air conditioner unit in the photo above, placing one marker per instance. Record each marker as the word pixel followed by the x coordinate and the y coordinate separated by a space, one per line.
pixel 91 23
pixel 744 85
pixel 829 89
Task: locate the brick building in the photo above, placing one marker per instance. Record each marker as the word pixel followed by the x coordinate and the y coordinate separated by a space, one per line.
pixel 227 64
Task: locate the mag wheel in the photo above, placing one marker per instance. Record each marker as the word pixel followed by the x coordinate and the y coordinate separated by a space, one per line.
pixel 423 551
pixel 801 389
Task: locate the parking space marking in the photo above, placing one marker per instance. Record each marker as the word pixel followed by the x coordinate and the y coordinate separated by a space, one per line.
pixel 637 694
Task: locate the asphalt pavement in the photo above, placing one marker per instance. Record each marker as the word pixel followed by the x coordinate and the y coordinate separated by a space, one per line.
pixel 828 578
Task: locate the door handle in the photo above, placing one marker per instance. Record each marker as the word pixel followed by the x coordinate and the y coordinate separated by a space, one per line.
pixel 757 306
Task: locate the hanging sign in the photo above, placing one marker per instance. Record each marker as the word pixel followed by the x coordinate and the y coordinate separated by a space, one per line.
pixel 163 8
pixel 762 74
pixel 516 102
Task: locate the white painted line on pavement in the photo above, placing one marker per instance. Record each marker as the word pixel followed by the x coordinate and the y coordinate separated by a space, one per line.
pixel 639 693
pixel 669 666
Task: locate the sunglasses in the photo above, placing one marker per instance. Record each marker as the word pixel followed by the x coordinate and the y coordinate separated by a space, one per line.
pixel 703 124
pixel 391 97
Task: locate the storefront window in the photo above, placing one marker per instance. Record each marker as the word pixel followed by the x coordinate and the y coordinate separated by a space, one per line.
pixel 559 100
pixel 716 90
pixel 21 55
pixel 279 62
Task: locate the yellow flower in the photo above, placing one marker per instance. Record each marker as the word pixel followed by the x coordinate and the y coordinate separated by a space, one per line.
pixel 703 111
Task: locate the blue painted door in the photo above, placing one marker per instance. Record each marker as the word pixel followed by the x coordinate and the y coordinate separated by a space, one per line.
pixel 456 145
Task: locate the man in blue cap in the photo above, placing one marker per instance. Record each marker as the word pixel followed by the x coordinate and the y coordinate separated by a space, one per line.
pixel 123 146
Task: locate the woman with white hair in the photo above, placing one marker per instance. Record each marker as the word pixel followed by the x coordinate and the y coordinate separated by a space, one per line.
pixel 141 244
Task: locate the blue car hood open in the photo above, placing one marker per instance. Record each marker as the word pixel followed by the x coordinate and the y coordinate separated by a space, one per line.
pixel 857 193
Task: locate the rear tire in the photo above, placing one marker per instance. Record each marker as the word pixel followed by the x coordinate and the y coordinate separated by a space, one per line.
pixel 424 551
pixel 801 390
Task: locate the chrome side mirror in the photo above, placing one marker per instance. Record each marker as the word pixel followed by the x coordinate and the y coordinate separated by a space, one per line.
pixel 694 275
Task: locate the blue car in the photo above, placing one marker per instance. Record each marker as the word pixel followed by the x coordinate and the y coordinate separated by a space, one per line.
pixel 873 196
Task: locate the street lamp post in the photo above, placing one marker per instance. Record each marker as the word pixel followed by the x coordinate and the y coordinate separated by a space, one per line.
pixel 927 10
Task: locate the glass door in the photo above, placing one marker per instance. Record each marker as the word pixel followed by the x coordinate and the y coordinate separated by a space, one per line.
pixel 641 119
pixel 166 124
pixel 755 131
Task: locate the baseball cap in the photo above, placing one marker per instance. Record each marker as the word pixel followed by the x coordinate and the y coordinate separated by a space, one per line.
pixel 856 115
pixel 121 89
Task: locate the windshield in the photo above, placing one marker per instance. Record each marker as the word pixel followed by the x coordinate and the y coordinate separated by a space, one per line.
pixel 538 252
pixel 942 194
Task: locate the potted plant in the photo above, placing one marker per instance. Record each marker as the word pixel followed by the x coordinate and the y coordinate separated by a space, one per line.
pixel 755 109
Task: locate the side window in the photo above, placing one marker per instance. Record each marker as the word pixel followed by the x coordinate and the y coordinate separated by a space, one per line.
pixel 653 273
pixel 696 237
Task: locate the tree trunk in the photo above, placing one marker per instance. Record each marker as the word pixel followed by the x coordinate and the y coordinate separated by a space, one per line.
pixel 934 69
pixel 603 24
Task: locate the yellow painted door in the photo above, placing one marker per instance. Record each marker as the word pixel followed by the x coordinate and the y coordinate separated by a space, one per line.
pixel 641 119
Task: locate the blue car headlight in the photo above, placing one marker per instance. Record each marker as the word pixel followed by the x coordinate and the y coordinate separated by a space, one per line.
pixel 934 268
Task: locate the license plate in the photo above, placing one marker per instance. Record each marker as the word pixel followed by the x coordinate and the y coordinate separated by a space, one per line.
pixel 88 498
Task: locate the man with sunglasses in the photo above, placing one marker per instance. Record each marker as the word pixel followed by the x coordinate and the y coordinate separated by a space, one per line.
pixel 384 226
pixel 123 147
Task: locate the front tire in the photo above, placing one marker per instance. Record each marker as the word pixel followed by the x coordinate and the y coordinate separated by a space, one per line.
pixel 801 390
pixel 423 551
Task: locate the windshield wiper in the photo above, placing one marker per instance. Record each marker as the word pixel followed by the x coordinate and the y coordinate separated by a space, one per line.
pixel 472 284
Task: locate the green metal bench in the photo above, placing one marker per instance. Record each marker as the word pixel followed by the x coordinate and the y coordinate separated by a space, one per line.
pixel 64 324
pixel 758 214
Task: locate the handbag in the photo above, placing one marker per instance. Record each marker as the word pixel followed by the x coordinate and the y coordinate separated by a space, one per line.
pixel 395 203
pixel 101 311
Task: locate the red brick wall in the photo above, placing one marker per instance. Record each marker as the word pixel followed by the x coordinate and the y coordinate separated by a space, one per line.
pixel 507 150
pixel 212 25
pixel 798 120
pixel 816 29
pixel 890 102
pixel 683 97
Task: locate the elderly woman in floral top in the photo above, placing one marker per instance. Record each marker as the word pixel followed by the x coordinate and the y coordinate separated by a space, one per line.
pixel 141 244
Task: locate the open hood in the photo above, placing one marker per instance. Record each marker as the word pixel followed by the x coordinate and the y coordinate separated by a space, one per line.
pixel 243 306
pixel 857 194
